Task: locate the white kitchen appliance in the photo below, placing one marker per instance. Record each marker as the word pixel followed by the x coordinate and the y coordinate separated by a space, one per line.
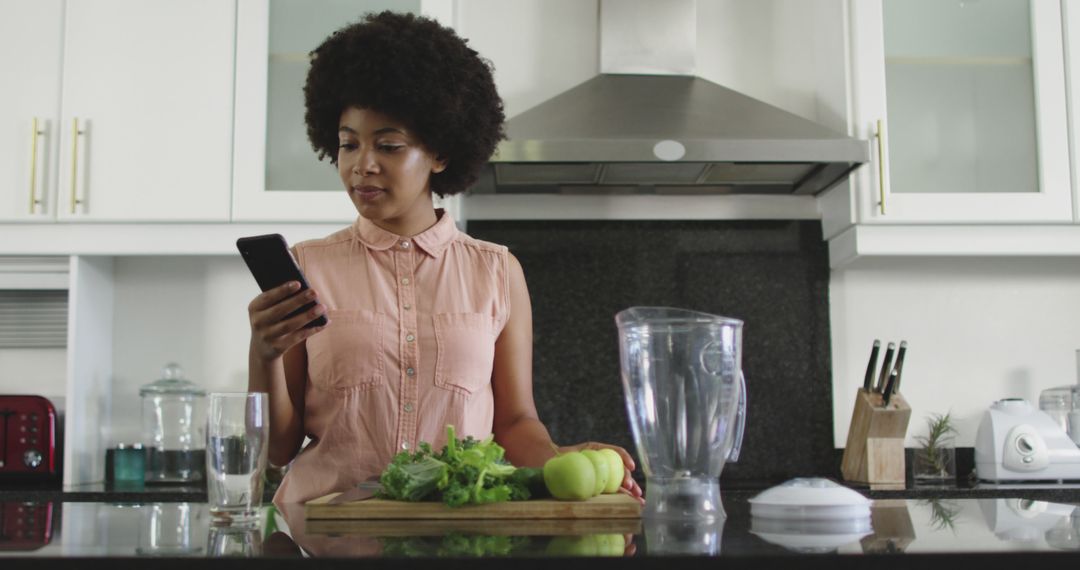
pixel 1018 442
pixel 812 515
pixel 1026 521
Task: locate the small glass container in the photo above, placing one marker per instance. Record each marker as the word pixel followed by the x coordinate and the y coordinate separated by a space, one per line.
pixel 1057 403
pixel 934 467
pixel 128 465
pixel 174 423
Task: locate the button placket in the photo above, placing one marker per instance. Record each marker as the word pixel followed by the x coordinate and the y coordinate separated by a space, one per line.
pixel 404 264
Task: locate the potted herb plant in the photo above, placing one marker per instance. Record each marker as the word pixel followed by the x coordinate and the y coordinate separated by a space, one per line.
pixel 935 461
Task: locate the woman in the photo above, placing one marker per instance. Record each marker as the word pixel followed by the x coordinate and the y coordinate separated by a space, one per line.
pixel 427 326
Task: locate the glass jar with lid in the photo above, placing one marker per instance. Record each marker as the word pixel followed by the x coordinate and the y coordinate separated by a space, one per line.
pixel 174 423
pixel 1062 404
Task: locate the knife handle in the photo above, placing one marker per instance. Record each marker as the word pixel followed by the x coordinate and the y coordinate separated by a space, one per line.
pixel 889 387
pixel 899 366
pixel 868 380
pixel 886 365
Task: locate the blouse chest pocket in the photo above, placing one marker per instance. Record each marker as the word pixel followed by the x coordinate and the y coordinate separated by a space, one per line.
pixel 465 345
pixel 349 352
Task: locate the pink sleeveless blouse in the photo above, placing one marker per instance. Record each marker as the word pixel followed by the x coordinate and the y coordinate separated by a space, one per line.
pixel 409 348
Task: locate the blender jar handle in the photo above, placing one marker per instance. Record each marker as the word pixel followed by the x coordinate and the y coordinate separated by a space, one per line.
pixel 740 422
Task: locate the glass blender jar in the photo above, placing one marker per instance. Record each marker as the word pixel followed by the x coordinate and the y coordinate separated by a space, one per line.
pixel 686 398
pixel 174 424
pixel 1062 403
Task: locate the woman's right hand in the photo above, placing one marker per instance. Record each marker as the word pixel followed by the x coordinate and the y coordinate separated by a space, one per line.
pixel 270 335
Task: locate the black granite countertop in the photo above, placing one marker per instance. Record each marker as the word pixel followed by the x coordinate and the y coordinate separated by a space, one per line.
pixel 101 492
pixel 996 526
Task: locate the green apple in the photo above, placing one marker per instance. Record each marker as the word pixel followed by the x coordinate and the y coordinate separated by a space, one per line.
pixel 600 464
pixel 616 471
pixel 570 476
pixel 586 545
pixel 610 545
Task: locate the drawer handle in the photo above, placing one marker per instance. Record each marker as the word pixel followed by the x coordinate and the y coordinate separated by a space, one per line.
pixel 880 136
pixel 75 133
pixel 34 134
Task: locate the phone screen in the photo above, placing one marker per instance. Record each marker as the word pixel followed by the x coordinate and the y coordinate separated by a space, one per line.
pixel 268 258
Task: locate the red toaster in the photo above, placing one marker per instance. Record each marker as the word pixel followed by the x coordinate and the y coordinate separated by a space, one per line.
pixel 25 526
pixel 28 438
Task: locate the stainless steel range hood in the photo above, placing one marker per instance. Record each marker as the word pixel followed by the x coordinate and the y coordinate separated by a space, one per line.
pixel 647 125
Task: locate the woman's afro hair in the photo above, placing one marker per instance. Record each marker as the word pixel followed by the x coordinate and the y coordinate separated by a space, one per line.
pixel 417 72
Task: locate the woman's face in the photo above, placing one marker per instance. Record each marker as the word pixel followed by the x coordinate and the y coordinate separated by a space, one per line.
pixel 385 168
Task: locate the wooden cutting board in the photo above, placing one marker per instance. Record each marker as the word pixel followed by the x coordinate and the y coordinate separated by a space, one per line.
pixel 487 527
pixel 615 506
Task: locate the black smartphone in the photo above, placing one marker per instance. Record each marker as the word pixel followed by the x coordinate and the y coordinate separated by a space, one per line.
pixel 268 258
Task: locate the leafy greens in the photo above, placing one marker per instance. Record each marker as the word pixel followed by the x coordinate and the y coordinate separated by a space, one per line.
pixel 465 472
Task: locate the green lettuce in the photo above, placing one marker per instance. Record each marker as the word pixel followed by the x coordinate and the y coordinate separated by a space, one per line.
pixel 464 472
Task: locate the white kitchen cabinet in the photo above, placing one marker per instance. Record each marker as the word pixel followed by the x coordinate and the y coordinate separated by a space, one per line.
pixel 146 118
pixel 1070 13
pixel 971 102
pixel 277 175
pixel 135 117
pixel 31 43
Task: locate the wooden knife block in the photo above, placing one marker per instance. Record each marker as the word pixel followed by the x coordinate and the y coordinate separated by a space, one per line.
pixel 893 530
pixel 875 444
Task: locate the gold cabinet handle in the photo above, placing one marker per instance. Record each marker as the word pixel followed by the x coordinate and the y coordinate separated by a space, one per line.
pixel 880 136
pixel 35 132
pixel 75 133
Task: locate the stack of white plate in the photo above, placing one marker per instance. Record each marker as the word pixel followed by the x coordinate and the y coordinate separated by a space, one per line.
pixel 810 515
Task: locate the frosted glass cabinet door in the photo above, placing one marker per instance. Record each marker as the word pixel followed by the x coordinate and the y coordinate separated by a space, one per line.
pixel 277 175
pixel 966 100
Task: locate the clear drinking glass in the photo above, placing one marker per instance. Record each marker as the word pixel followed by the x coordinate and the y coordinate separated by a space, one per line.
pixel 686 398
pixel 172 529
pixel 233 541
pixel 237 434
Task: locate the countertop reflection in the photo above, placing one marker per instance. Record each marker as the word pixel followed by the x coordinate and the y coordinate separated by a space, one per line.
pixel 185 529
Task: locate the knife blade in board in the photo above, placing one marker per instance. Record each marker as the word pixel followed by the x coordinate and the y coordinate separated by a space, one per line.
pixel 363 491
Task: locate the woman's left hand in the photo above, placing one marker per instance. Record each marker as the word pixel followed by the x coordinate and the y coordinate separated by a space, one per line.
pixel 629 486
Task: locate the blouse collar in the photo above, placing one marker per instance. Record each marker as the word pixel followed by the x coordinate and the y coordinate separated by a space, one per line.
pixel 431 241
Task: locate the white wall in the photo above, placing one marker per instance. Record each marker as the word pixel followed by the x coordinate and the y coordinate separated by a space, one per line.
pixel 788 53
pixel 189 310
pixel 784 52
pixel 554 45
pixel 977 329
pixel 37 371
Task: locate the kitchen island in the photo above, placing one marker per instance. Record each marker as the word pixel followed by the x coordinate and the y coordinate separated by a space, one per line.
pixel 986 525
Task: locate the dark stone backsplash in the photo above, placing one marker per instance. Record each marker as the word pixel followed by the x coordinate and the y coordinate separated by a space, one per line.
pixel 774 275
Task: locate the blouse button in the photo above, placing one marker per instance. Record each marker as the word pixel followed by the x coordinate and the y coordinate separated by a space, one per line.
pixel 405 245
pixel 407 306
pixel 410 338
pixel 404 280
pixel 410 372
pixel 408 407
pixel 405 445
